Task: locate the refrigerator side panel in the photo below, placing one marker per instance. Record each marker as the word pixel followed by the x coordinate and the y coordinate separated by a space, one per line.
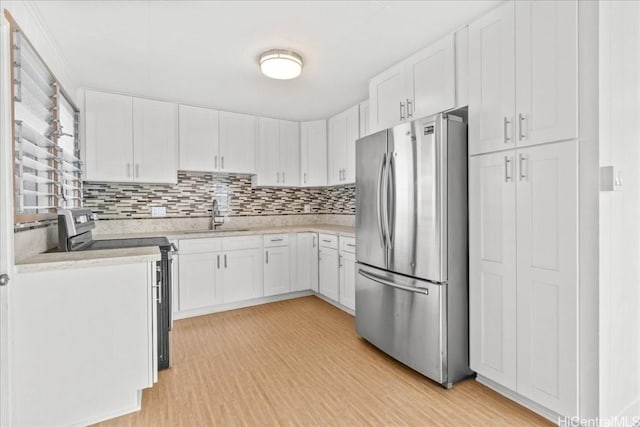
pixel 417 182
pixel 371 155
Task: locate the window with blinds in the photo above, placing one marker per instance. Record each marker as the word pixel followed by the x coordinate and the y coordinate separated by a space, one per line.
pixel 48 170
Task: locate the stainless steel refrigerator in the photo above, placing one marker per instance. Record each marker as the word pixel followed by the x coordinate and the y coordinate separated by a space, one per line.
pixel 412 250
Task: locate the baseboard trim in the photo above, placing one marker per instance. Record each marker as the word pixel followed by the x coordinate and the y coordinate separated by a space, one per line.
pixel 335 304
pixel 134 407
pixel 240 304
pixel 521 400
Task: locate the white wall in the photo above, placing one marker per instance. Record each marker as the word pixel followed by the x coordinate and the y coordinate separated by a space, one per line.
pixel 620 210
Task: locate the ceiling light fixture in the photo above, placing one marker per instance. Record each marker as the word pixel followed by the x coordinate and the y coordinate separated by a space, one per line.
pixel 281 64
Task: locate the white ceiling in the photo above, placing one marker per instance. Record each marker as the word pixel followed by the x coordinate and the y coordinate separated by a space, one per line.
pixel 205 52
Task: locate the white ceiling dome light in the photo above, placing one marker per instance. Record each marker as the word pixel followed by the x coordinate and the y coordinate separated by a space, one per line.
pixel 281 64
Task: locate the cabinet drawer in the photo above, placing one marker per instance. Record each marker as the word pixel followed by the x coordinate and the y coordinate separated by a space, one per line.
pixel 347 244
pixel 273 240
pixel 329 241
pixel 196 246
pixel 241 242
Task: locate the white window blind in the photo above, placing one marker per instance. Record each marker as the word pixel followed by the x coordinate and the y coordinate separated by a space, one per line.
pixel 48 170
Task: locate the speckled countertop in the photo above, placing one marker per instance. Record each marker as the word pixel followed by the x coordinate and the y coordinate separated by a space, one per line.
pixel 64 260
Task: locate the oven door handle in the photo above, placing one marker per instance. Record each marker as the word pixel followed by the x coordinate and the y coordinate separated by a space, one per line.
pixel 174 248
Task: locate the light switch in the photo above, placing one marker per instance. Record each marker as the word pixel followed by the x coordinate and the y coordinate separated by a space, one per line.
pixel 158 211
pixel 610 179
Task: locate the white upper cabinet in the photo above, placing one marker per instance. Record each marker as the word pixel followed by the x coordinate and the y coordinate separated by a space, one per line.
pixel 313 153
pixel 130 139
pixel 364 119
pixel 108 137
pixel 344 130
pixel 268 172
pixel 155 141
pixel 421 85
pixel 523 75
pixel 546 71
pixel 278 153
pixel 431 80
pixel 492 81
pixel 198 139
pixel 290 153
pixel 238 135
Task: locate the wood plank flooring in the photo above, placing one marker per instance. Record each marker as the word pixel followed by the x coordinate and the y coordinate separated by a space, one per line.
pixel 300 362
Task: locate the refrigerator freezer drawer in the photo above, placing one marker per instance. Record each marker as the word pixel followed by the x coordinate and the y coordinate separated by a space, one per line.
pixel 405 318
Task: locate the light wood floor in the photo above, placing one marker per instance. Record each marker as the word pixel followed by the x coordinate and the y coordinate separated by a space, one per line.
pixel 300 362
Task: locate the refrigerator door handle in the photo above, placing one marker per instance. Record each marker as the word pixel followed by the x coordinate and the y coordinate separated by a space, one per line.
pixel 391 215
pixel 386 282
pixel 380 200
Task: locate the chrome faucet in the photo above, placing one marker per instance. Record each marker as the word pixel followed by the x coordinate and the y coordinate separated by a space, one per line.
pixel 216 220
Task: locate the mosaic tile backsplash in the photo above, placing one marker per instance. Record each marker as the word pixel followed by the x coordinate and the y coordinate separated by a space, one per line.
pixel 192 196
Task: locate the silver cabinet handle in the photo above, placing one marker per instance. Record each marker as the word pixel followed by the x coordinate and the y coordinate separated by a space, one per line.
pixel 521 134
pixel 351 245
pixel 218 261
pixel 128 170
pixel 225 260
pixel 222 162
pixel 522 161
pixel 402 117
pixel 505 125
pixel 340 264
pixel 314 241
pixel 409 108
pixel 215 162
pixel 276 240
pixel 278 177
pixel 283 180
pixel 305 178
pixel 386 282
pixel 267 256
pixel 507 167
pixel 137 170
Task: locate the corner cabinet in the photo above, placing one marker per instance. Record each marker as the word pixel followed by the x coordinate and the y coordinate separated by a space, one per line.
pixel 421 85
pixel 344 130
pixel 523 60
pixel 278 153
pixel 524 290
pixel 130 139
pixel 313 153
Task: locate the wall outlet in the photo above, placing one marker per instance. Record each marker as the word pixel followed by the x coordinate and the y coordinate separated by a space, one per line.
pixel 158 211
pixel 307 208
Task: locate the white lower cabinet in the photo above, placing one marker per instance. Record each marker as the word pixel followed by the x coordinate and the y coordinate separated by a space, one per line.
pixel 523 272
pixel 276 270
pixel 200 280
pixel 348 280
pixel 242 275
pixel 329 283
pixel 307 262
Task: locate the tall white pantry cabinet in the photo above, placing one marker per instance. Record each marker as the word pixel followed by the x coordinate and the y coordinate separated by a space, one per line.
pixel 523 202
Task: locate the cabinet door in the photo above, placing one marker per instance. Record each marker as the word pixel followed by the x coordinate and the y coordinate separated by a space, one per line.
pixel 237 143
pixel 387 98
pixel 492 267
pixel 337 148
pixel 431 79
pixel 353 133
pixel 492 81
pixel 547 276
pixel 276 270
pixel 313 153
pixel 198 139
pixel 199 280
pixel 348 280
pixel 155 141
pixel 108 137
pixel 307 262
pixel 364 119
pixel 241 275
pixel 329 280
pixel 268 152
pixel 289 153
pixel 546 71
